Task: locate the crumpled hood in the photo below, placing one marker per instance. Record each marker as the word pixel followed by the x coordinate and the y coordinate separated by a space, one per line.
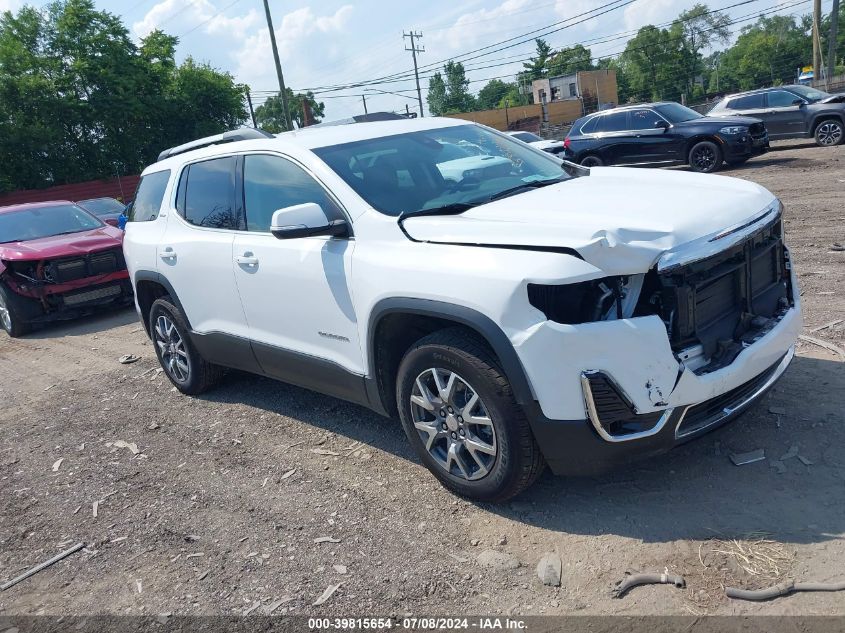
pixel 81 243
pixel 728 119
pixel 620 220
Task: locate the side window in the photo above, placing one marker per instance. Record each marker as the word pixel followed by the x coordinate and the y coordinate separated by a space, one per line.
pixel 748 102
pixel 644 119
pixel 590 126
pixel 613 122
pixel 148 197
pixel 272 183
pixel 206 195
pixel 781 99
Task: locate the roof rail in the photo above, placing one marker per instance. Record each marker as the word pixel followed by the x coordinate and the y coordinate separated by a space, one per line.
pixel 242 134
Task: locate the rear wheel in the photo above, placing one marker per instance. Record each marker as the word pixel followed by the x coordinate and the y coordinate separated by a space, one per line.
pixel 829 133
pixel 592 161
pixel 11 313
pixel 460 416
pixel 705 157
pixel 182 363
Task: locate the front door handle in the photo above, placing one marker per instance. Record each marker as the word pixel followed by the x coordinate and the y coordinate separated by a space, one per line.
pixel 247 260
pixel 169 253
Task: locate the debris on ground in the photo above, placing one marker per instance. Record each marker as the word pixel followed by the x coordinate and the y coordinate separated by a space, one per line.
pixel 275 605
pixel 325 539
pixel 341 569
pixel 254 606
pixel 792 452
pixel 741 459
pixel 324 451
pixel 128 359
pixel 824 326
pixel 634 580
pixel 94 507
pixel 41 566
pixel 491 559
pixel 804 460
pixel 836 246
pixel 778 410
pixel 778 466
pixel 58 464
pixel 824 344
pixel 326 594
pixel 549 569
pixel 122 444
pixel 288 474
pixel 782 589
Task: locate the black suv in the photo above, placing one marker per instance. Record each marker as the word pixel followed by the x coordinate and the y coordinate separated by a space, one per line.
pixel 791 112
pixel 664 133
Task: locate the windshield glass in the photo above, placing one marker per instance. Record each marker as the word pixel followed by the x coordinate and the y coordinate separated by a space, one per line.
pixel 527 137
pixel 102 206
pixel 37 222
pixel 810 94
pixel 676 113
pixel 433 169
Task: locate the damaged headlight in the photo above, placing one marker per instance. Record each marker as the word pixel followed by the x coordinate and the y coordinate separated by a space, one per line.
pixel 587 301
pixel 734 129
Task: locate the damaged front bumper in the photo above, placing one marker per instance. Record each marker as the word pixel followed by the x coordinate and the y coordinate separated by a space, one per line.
pixel 613 391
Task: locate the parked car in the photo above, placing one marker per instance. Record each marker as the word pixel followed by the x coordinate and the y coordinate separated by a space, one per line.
pixel 666 133
pixel 57 261
pixel 547 145
pixel 552 314
pixel 790 112
pixel 108 210
pixel 457 163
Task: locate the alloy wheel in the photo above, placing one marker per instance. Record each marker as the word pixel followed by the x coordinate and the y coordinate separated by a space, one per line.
pixel 453 424
pixel 5 314
pixel 704 159
pixel 829 133
pixel 171 346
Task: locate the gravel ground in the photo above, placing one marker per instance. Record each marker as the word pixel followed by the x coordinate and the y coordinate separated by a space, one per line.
pixel 220 510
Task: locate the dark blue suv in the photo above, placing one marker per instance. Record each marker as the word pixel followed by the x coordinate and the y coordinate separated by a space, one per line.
pixel 666 133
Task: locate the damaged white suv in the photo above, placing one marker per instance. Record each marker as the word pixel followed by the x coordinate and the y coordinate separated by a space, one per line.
pixel 520 313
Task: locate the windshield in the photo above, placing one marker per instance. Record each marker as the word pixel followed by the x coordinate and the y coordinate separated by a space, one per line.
pixel 434 169
pixel 810 94
pixel 36 222
pixel 102 206
pixel 676 113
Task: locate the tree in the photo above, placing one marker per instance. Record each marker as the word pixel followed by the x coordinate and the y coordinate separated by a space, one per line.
pixel 649 65
pixel 436 96
pixel 269 115
pixel 698 29
pixel 570 60
pixel 492 94
pixel 536 66
pixel 449 92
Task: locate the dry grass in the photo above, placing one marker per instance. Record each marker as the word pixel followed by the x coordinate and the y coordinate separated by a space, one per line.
pixel 755 561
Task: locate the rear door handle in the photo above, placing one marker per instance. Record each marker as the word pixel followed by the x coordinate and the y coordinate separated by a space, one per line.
pixel 169 253
pixel 247 260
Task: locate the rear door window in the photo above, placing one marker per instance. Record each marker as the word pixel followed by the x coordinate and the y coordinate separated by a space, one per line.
pixel 206 195
pixel 613 122
pixel 748 102
pixel 644 119
pixel 148 197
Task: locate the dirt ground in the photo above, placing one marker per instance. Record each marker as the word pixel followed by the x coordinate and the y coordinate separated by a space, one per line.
pixel 219 511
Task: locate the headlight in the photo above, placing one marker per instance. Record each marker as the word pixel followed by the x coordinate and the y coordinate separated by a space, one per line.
pixel 734 129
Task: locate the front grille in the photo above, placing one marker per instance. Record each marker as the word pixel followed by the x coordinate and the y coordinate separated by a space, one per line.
pixel 720 302
pixel 88 296
pixel 706 414
pixel 74 268
pixel 757 130
pixel 615 413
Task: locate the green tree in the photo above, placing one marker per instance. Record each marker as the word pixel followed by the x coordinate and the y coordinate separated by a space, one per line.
pixel 458 96
pixel 436 96
pixel 269 115
pixel 536 66
pixel 570 60
pixel 492 94
pixel 698 29
pixel 649 65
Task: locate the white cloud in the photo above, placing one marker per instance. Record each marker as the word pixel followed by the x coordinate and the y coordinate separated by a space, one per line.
pixel 181 16
pixel 10 5
pixel 654 12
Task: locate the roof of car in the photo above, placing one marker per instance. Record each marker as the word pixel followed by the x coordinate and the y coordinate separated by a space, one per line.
pixel 758 91
pixel 314 137
pixel 633 106
pixel 34 205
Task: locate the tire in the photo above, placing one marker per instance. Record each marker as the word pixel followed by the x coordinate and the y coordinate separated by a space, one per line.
pixel 705 157
pixel 829 133
pixel 170 334
pixel 592 160
pixel 515 462
pixel 12 311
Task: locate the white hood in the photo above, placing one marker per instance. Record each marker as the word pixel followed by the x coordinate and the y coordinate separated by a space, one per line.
pixel 620 220
pixel 546 144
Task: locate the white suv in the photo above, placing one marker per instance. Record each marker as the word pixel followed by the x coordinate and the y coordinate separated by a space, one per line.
pixel 529 313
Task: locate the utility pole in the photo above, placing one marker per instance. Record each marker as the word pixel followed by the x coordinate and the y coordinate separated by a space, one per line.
pixel 831 47
pixel 817 53
pixel 414 50
pixel 364 99
pixel 283 92
pixel 251 111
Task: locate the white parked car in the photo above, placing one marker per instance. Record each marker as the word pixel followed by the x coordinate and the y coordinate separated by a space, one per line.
pixel 547 145
pixel 542 314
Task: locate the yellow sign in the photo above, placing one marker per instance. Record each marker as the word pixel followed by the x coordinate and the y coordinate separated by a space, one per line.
pixel 807 69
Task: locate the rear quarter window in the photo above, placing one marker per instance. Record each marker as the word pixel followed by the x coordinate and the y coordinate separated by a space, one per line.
pixel 148 197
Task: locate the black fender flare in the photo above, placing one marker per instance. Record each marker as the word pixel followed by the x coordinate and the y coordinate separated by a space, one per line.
pixel 822 116
pixel 161 280
pixel 483 325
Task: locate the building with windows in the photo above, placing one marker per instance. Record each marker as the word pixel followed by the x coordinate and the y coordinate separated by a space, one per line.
pixel 596 88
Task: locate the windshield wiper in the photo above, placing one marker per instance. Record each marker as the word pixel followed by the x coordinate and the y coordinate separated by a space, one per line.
pixel 453 208
pixel 534 184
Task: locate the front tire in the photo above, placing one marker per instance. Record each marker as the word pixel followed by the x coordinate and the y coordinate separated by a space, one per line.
pixel 705 157
pixel 460 415
pixel 592 161
pixel 829 133
pixel 189 372
pixel 12 313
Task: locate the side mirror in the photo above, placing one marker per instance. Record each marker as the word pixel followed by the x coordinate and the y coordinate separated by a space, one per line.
pixel 799 102
pixel 111 221
pixel 305 220
pixel 661 124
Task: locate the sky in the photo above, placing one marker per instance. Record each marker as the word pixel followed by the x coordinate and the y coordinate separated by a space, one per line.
pixel 334 43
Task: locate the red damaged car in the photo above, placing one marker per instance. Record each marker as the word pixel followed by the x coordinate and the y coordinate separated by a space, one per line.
pixel 57 261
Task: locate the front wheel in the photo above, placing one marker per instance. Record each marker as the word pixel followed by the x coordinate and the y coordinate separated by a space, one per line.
pixel 829 133
pixel 705 157
pixel 11 314
pixel 189 372
pixel 460 416
pixel 592 161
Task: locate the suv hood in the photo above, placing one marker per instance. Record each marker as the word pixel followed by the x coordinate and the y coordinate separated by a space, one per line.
pixel 728 119
pixel 621 220
pixel 72 244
